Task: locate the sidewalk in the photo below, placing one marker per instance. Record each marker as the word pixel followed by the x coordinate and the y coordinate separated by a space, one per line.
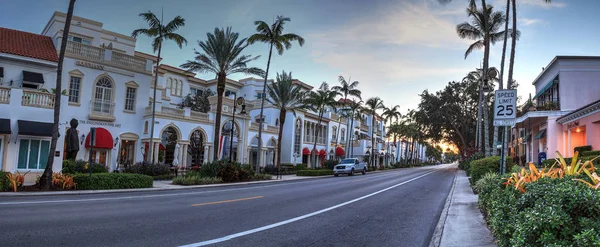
pixel 463 224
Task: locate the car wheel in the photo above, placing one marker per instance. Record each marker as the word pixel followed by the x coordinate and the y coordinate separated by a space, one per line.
pixel 351 173
pixel 335 175
pixel 364 172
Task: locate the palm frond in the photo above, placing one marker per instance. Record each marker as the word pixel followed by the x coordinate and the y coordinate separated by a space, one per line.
pixel 475 46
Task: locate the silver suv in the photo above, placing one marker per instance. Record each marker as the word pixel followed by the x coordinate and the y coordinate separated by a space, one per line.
pixel 350 166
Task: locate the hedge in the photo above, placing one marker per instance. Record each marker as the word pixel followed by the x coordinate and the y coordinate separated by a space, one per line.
pixel 4 183
pixel 582 149
pixel 552 212
pixel 82 166
pixel 591 153
pixel 107 181
pixel 480 167
pixel 314 172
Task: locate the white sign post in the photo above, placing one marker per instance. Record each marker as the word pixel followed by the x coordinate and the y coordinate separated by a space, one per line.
pixel 505 113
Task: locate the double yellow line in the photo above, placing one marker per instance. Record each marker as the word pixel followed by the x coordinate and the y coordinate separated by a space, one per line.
pixel 227 201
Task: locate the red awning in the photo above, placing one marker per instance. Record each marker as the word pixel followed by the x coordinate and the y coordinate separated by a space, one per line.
pixel 305 151
pixel 339 151
pixel 103 139
pixel 322 153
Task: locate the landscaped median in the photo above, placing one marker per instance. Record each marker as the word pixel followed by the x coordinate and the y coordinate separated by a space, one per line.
pixel 220 172
pixel 558 205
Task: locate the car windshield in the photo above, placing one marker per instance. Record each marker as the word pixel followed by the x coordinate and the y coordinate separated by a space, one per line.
pixel 347 161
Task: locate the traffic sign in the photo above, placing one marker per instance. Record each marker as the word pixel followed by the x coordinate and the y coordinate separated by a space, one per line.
pixel 505 122
pixel 505 105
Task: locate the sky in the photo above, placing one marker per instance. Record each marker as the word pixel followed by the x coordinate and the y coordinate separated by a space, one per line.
pixel 396 49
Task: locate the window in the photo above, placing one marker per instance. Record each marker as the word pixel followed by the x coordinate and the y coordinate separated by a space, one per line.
pixel 334 133
pixel 33 153
pixel 343 135
pixel 103 96
pixel 258 119
pixel 297 136
pixel 228 93
pixel 146 127
pixel 80 40
pixel 74 89
pixel 194 91
pixel 130 99
pixel 260 95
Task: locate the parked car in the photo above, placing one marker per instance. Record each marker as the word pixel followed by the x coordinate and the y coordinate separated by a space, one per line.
pixel 350 166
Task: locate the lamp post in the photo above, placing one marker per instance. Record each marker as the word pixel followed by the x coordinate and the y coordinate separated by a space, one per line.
pixel 236 101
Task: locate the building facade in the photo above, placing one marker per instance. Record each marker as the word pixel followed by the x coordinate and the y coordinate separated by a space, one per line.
pixel 108 85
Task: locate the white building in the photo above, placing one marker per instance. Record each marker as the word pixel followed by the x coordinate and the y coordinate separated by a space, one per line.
pixel 109 86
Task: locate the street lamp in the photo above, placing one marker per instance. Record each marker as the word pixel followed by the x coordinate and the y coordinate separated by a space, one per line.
pixel 236 101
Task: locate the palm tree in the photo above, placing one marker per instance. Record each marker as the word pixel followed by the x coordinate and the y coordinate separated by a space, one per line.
pixel 318 101
pixel 391 114
pixel 159 33
pixel 46 178
pixel 285 96
pixel 272 35
pixel 373 104
pixel 352 112
pixel 345 89
pixel 485 30
pixel 221 54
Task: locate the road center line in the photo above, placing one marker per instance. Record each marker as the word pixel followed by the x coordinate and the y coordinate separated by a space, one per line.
pixel 226 201
pixel 267 227
pixel 359 180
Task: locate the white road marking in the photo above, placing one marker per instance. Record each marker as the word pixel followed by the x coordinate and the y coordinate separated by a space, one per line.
pixel 161 195
pixel 240 234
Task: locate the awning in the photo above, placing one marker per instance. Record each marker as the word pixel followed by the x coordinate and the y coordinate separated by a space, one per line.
pixel 322 153
pixel 4 124
pixel 339 151
pixel 527 138
pixel 544 89
pixel 33 77
pixel 305 151
pixel 103 139
pixel 31 128
pixel 540 135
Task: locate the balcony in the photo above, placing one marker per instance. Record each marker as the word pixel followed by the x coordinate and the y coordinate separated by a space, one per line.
pixel 37 99
pixel 178 114
pixel 364 128
pixel 106 57
pixel 102 110
pixel 4 95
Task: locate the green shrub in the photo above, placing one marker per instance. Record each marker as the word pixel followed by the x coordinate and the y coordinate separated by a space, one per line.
pixel 4 184
pixel 465 164
pixel 314 172
pixel 591 153
pixel 230 173
pixel 301 167
pixel 163 177
pixel 211 169
pixel 196 179
pixel 82 166
pixel 488 184
pixel 246 173
pixel 582 149
pixel 150 169
pixel 105 181
pixel 329 164
pixel 480 167
pixel 262 176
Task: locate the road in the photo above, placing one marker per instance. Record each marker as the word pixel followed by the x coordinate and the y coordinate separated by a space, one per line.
pixel 392 208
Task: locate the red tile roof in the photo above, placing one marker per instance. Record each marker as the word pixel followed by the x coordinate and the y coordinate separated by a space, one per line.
pixel 26 44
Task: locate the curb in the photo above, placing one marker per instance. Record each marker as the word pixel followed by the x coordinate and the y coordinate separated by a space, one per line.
pixel 436 238
pixel 183 187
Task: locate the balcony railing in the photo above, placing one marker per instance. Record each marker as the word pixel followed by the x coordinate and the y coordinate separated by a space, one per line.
pixel 106 57
pixel 199 115
pixel 4 95
pixel 37 99
pixel 177 113
pixel 100 109
pixel 364 128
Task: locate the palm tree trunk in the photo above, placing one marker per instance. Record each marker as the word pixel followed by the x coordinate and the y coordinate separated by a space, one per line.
pixel 46 179
pixel 151 151
pixel 350 138
pixel 511 64
pixel 479 115
pixel 501 83
pixel 486 127
pixel 221 77
pixel 373 139
pixel 313 152
pixel 279 136
pixel 337 134
pixel 262 108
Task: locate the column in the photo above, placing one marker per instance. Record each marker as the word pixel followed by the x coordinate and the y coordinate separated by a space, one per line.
pixel 185 155
pixel 206 159
pixel 569 147
pixel 263 154
pixel 155 151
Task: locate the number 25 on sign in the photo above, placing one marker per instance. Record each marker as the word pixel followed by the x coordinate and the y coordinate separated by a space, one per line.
pixel 505 104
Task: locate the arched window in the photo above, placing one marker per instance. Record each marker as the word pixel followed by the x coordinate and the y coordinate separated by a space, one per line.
pixel 297 136
pixel 103 95
pixel 196 149
pixel 334 133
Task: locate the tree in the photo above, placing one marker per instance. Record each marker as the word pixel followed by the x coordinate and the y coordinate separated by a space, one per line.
pixel 286 97
pixel 221 55
pixel 345 89
pixel 46 178
pixel 373 104
pixel 197 102
pixel 389 115
pixel 272 35
pixel 318 101
pixel 485 30
pixel 352 112
pixel 159 34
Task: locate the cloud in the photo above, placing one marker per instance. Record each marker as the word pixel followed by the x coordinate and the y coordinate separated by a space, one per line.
pixel 543 4
pixel 529 22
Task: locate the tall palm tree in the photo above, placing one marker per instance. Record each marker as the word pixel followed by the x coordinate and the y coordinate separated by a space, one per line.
pixel 159 34
pixel 391 114
pixel 285 96
pixel 272 35
pixel 221 54
pixel 485 30
pixel 373 104
pixel 352 112
pixel 46 178
pixel 318 101
pixel 345 89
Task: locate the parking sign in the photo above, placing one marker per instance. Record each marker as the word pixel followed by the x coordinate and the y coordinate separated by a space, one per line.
pixel 505 107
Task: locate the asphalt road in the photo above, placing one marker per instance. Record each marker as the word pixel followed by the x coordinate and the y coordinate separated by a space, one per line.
pixel 392 208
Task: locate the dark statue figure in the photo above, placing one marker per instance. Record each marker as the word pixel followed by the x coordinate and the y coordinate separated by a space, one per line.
pixel 72 140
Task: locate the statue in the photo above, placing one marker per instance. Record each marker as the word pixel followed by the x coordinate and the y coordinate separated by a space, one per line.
pixel 72 140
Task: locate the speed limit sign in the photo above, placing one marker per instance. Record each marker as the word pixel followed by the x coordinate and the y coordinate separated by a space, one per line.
pixel 505 107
